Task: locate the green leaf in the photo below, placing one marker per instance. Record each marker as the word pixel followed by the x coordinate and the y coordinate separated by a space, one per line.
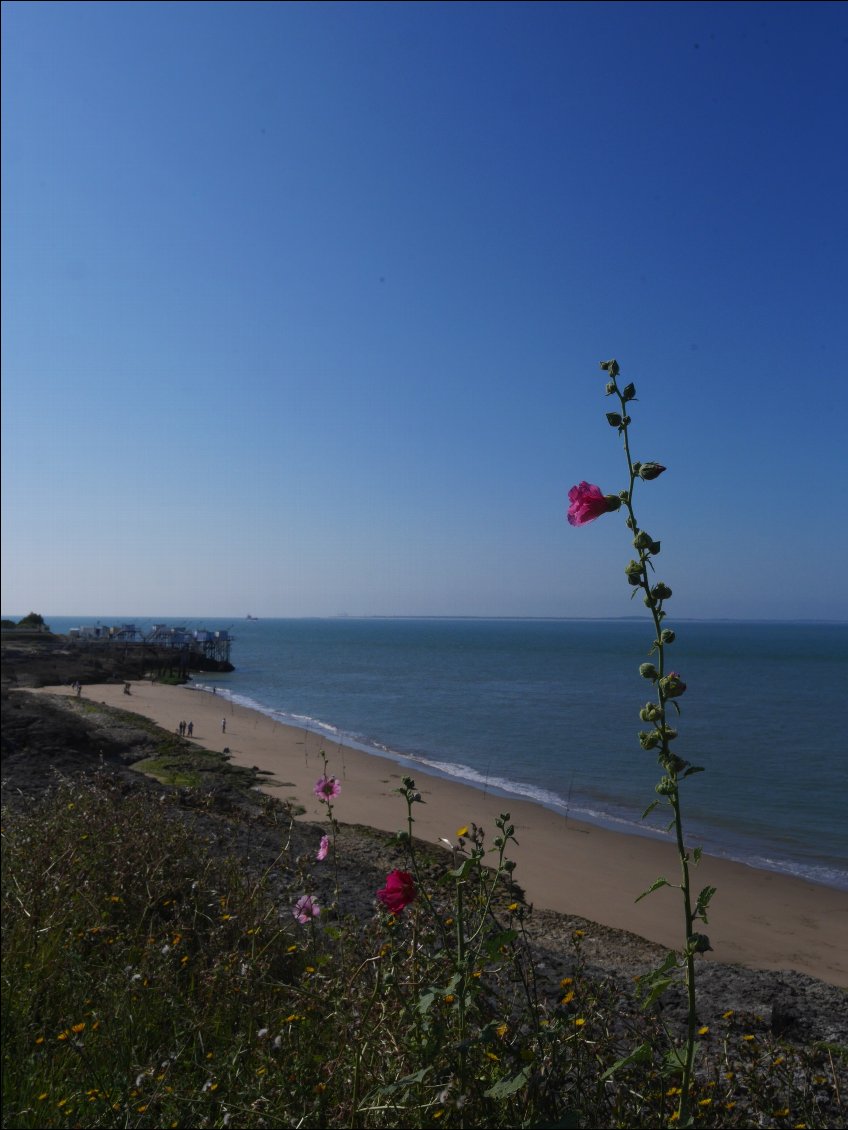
pixel 426 999
pixel 502 938
pixel 657 990
pixel 406 1081
pixel 696 855
pixel 704 899
pixel 693 769
pixel 655 886
pixel 650 808
pixel 505 1087
pixel 642 1054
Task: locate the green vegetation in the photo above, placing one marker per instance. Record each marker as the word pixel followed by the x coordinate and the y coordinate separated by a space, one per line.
pixel 149 981
pixel 33 620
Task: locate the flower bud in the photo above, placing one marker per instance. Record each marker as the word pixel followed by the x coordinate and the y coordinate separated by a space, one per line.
pixel 665 787
pixel 610 388
pixel 614 419
pixel 650 712
pixel 699 943
pixel 611 367
pixel 643 540
pixel 648 671
pixel 660 591
pixel 667 636
pixel 672 686
pixel 650 471
pixel 649 739
pixel 629 392
pixel 634 572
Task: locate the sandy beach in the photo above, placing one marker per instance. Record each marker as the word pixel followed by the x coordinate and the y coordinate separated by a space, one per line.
pixel 759 919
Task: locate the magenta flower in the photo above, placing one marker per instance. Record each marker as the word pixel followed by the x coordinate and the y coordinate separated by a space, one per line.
pixel 306 909
pixel 323 849
pixel 326 788
pixel 588 502
pixel 398 892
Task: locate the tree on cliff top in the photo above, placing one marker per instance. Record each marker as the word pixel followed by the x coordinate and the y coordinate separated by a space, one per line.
pixel 34 620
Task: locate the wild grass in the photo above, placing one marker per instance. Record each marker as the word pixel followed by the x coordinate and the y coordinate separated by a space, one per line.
pixel 149 981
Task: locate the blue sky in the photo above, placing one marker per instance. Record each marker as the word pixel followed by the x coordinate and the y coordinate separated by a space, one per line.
pixel 303 305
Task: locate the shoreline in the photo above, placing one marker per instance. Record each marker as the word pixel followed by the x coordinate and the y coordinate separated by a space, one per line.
pixel 513 793
pixel 760 919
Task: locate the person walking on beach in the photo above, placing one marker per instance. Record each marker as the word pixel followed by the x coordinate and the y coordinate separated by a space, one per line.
pixel 223 725
pixel 190 728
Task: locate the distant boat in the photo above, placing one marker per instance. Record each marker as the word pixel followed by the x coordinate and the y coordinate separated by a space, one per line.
pixel 249 617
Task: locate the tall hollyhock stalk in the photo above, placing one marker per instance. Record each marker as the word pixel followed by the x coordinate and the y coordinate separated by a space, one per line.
pixel 586 503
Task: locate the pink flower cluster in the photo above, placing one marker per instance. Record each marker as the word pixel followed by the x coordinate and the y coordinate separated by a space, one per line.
pixel 323 849
pixel 398 892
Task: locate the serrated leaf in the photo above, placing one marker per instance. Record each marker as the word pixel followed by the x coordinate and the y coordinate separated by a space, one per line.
pixel 655 886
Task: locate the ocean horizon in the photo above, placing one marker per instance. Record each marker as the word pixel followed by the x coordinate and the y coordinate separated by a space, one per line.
pixel 546 709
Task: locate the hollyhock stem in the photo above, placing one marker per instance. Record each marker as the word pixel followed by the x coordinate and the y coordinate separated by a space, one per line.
pixel 666 758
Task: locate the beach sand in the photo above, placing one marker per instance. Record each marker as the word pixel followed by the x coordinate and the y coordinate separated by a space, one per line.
pixel 759 919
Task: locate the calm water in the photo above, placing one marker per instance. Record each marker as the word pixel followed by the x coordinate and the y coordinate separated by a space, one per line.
pixel 548 710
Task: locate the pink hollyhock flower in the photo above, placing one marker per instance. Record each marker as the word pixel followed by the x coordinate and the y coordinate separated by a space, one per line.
pixel 326 788
pixel 398 892
pixel 588 502
pixel 323 849
pixel 306 908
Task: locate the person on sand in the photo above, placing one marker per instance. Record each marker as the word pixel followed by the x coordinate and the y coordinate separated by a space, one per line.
pixel 190 729
pixel 223 725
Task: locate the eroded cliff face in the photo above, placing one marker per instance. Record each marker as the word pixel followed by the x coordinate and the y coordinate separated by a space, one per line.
pixel 42 660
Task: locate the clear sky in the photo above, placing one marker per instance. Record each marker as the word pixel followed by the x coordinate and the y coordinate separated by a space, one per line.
pixel 303 305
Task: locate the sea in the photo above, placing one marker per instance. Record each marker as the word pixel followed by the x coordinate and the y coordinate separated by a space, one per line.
pixel 548 711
